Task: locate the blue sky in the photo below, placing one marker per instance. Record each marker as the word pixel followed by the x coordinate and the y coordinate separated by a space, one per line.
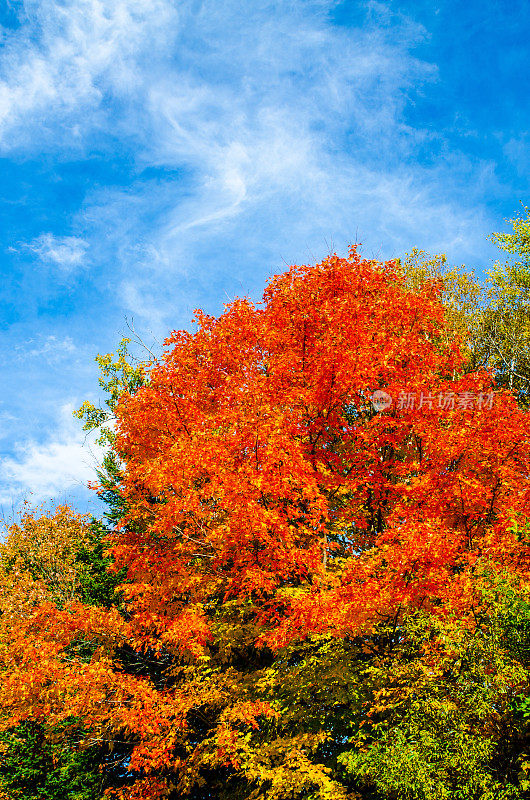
pixel 160 155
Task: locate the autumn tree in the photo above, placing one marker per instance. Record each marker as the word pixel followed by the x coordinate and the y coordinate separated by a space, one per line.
pixel 41 552
pixel 506 323
pixel 48 560
pixel 489 316
pixel 256 463
pixel 283 531
pixel 462 296
pixel 258 470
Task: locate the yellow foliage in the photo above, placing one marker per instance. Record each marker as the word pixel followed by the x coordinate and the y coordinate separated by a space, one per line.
pixel 37 557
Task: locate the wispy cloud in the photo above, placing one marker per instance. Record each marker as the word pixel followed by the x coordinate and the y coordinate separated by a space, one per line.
pixel 64 252
pixel 47 469
pixel 51 348
pixel 275 113
pixel 5 419
pixel 65 58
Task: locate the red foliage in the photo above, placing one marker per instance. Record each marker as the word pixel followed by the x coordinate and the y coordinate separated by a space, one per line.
pixel 257 467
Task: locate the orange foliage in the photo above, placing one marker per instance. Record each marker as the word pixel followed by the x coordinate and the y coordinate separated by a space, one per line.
pixel 257 467
pixel 257 471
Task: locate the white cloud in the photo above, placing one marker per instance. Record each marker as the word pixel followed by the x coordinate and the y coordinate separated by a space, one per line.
pixel 517 151
pixel 47 469
pixel 49 348
pixel 142 302
pixel 65 57
pixel 65 252
pixel 275 119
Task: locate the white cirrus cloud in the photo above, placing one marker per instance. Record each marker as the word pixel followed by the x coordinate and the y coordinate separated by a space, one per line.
pixel 66 57
pixel 47 469
pixel 50 348
pixel 64 252
pixel 270 121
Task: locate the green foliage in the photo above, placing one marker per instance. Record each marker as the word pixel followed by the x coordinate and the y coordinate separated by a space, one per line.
pixel 491 320
pixel 119 373
pixel 448 717
pixel 34 765
pixel 516 243
pixel 97 585
pixel 505 325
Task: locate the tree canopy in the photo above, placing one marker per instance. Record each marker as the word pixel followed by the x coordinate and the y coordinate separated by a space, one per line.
pixel 318 528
